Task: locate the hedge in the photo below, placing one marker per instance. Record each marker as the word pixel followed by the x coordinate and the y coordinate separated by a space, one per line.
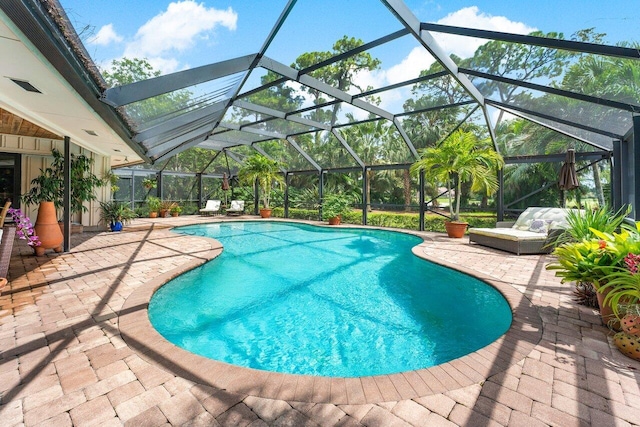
pixel 408 221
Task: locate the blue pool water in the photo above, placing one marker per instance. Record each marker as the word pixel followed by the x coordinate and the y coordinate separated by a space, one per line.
pixel 301 299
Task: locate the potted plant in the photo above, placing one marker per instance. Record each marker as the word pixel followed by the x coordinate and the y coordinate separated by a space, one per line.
pixel 580 224
pixel 165 208
pixel 264 172
pixel 175 210
pixel 333 207
pixel 458 159
pixel 48 187
pixel 115 214
pixel 154 206
pixel 593 261
pixel 149 183
pixel 622 288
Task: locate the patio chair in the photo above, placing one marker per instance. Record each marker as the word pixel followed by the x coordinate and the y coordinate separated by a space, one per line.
pixel 7 236
pixel 236 208
pixel 212 207
pixel 3 213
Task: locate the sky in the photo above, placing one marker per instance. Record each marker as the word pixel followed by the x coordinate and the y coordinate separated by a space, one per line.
pixel 181 34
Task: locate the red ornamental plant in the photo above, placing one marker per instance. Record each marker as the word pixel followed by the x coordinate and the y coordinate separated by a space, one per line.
pixel 24 227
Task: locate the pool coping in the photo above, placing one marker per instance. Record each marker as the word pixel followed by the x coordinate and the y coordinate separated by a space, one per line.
pixel 513 346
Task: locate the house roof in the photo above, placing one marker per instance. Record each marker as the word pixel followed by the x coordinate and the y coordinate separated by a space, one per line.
pixel 50 83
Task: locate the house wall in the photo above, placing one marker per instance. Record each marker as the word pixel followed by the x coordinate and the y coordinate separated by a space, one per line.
pixel 36 155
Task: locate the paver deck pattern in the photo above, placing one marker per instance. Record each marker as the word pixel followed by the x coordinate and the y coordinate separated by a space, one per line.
pixel 76 348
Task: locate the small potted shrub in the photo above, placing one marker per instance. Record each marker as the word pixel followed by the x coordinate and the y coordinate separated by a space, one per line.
pixel 115 214
pixel 149 183
pixel 154 206
pixel 175 210
pixel 165 208
pixel 333 207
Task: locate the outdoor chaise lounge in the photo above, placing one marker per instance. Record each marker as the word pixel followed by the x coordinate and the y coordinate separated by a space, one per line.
pixel 236 208
pixel 532 233
pixel 212 207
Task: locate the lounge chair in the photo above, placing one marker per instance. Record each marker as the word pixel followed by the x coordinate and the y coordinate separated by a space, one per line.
pixel 211 208
pixel 236 208
pixel 534 232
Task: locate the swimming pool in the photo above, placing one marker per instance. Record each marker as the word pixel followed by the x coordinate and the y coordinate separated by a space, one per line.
pixel 301 299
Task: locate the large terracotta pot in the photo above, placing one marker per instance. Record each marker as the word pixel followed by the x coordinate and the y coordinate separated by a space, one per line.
pixel 606 312
pixel 455 229
pixel 47 228
pixel 265 213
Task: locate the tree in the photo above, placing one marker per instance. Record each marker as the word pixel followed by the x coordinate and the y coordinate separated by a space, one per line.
pixel 263 171
pixel 458 159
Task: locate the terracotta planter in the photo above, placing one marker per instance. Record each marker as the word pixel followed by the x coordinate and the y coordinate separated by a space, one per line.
pixel 163 213
pixel 265 213
pixel 455 229
pixel 174 214
pixel 628 345
pixel 335 220
pixel 153 214
pixel 609 319
pixel 47 228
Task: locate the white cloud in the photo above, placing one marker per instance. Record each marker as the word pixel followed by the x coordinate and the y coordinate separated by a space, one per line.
pixel 471 17
pixel 177 30
pixel 105 36
pixel 420 59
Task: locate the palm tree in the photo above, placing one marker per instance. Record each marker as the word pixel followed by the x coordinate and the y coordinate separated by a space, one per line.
pixel 458 159
pixel 264 171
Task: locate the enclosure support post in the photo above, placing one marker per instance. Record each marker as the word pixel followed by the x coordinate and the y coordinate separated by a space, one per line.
pixel 500 195
pixel 635 166
pixel 132 190
pixel 159 191
pixel 66 201
pixel 320 194
pixel 286 195
pixel 421 199
pixel 256 196
pixel 200 189
pixel 365 198
pixel 616 175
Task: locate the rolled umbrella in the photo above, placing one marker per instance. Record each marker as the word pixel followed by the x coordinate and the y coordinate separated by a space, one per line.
pixel 225 182
pixel 568 179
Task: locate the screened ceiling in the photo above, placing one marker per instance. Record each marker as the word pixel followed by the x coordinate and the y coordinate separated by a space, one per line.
pixel 293 113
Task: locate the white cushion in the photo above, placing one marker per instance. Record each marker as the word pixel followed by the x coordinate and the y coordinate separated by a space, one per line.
pixel 508 234
pixel 557 216
pixel 236 205
pixel 211 206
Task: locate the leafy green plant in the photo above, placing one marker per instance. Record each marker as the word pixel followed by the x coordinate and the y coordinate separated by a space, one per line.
pixel 263 171
pixel 112 212
pixel 176 209
pixel 582 222
pixel 154 203
pixel 591 260
pixel 149 183
pixel 458 159
pixel 49 186
pixel 335 205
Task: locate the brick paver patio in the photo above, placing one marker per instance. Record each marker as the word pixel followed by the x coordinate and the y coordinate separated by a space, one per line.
pixel 76 349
